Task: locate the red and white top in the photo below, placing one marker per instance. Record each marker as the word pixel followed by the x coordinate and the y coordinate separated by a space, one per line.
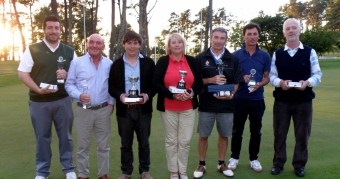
pixel 172 77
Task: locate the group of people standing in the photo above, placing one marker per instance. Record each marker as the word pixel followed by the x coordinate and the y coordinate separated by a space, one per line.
pixel 97 84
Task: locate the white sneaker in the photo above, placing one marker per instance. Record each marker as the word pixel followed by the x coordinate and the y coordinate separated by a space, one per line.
pixel 255 165
pixel 40 177
pixel 223 169
pixel 71 175
pixel 200 170
pixel 232 164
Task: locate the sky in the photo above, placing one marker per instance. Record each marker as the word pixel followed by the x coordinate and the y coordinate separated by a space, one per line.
pixel 242 9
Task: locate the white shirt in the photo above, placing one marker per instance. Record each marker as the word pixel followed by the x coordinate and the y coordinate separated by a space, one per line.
pixel 26 62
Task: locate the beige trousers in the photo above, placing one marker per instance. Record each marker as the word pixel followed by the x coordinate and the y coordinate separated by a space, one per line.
pixel 178 129
pixel 97 122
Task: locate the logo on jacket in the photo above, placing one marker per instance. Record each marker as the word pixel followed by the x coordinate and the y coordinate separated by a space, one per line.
pixel 207 63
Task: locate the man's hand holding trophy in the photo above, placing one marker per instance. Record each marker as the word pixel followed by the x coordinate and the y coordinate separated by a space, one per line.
pixel 133 95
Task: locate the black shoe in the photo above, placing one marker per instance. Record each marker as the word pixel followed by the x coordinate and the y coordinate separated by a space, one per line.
pixel 299 172
pixel 276 170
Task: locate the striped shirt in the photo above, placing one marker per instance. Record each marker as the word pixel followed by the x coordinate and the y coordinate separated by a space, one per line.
pixel 316 73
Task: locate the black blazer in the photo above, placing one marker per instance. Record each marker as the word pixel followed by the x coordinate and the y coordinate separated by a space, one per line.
pixel 117 83
pixel 163 92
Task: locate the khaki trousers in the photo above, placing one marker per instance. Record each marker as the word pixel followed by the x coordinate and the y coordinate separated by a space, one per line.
pixel 178 129
pixel 97 122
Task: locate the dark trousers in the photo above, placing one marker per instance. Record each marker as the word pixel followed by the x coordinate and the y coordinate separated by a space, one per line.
pixel 301 112
pixel 255 110
pixel 138 123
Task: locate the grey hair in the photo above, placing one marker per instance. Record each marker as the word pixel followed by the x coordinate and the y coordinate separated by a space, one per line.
pixel 220 29
pixel 295 20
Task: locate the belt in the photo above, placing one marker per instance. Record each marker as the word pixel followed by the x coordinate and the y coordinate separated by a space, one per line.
pixel 132 106
pixel 94 107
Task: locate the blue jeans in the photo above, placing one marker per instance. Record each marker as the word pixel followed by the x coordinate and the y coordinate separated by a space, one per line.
pixel 134 122
pixel 301 112
pixel 43 114
pixel 254 109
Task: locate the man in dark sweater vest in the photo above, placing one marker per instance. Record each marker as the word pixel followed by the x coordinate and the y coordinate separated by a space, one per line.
pixel 49 105
pixel 294 72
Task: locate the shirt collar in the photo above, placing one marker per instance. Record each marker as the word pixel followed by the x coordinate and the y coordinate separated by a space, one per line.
pixel 219 56
pixel 243 46
pixel 173 60
pixel 300 46
pixel 139 56
pixel 51 48
pixel 90 58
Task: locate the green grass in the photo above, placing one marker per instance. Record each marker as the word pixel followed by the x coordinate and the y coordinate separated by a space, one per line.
pixel 17 143
pixel 8 73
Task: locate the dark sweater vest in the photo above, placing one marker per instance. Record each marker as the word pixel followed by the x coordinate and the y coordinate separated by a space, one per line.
pixel 294 68
pixel 45 67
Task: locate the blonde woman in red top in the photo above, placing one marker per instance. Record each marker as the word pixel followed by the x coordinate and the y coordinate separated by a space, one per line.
pixel 177 110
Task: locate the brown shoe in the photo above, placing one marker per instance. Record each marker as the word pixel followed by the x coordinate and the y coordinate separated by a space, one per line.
pixel 146 175
pixel 83 178
pixel 124 176
pixel 104 177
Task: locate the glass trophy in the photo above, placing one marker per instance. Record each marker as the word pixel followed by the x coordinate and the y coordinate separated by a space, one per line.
pixel 60 67
pixel 181 84
pixel 85 87
pixel 220 67
pixel 252 81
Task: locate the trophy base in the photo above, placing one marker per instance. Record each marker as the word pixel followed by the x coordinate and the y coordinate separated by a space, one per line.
pixel 133 93
pixel 87 106
pixel 218 88
pixel 175 89
pixel 181 85
pixel 222 93
pixel 60 80
pixel 294 84
pixel 251 83
pixel 52 87
pixel 132 100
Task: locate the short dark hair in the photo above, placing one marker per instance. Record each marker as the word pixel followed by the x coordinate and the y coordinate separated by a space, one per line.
pixel 220 29
pixel 132 35
pixel 250 26
pixel 50 18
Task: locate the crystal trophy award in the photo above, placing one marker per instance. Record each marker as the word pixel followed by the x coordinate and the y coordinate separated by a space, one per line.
pixel 133 92
pixel 60 67
pixel 85 91
pixel 252 81
pixel 220 69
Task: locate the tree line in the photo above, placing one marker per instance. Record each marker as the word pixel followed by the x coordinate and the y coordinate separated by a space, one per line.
pixel 319 19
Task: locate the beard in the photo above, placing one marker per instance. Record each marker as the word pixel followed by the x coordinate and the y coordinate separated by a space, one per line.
pixel 292 39
pixel 53 38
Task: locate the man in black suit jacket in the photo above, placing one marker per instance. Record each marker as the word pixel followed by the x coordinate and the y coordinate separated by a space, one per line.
pixel 133 116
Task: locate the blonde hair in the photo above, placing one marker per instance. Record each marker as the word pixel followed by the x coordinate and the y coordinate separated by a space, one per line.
pixel 172 36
